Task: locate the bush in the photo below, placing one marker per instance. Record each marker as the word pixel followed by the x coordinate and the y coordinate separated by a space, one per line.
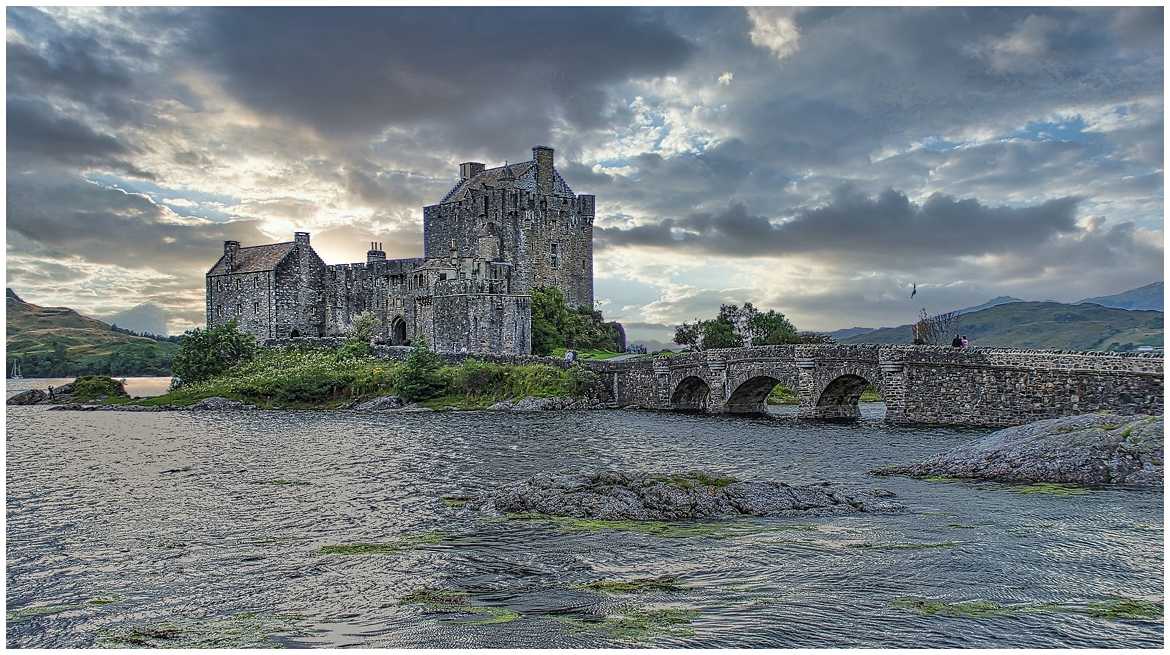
pixel 580 380
pixel 92 387
pixel 204 354
pixel 473 377
pixel 420 377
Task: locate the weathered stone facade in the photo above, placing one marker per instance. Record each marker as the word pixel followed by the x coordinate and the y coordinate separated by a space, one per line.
pixel 919 384
pixel 497 235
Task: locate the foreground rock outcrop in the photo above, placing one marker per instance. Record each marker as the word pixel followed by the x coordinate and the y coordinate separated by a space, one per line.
pixel 615 495
pixel 1090 449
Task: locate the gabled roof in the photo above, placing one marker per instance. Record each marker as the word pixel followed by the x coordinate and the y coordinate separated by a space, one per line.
pixel 255 259
pixel 523 176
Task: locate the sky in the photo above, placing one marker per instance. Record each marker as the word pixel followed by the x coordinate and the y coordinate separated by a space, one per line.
pixel 818 162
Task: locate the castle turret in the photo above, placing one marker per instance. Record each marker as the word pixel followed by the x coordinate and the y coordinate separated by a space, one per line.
pixel 543 156
pixel 470 169
pixel 375 253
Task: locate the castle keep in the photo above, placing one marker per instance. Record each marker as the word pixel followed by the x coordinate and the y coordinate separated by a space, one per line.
pixel 493 238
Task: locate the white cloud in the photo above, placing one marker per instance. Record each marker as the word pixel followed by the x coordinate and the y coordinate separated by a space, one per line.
pixel 775 28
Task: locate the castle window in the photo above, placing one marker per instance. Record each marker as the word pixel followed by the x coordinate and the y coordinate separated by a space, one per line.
pixel 237 284
pixel 485 205
pixel 555 255
pixel 256 281
pixel 256 308
pixel 239 310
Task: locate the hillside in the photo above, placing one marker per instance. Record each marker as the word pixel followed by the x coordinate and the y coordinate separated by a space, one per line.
pixel 1045 325
pixel 1147 297
pixel 147 318
pixel 57 341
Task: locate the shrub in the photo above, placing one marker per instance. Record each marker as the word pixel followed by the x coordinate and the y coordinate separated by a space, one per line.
pixel 204 354
pixel 91 387
pixel 421 376
pixel 580 380
pixel 474 377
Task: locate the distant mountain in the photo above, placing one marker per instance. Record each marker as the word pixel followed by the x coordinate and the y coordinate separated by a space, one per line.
pixel 1147 297
pixel 1045 325
pixel 57 341
pixel 147 318
pixel 845 333
pixel 998 300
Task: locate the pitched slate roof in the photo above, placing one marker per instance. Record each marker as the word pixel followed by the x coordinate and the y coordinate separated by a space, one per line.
pixel 523 176
pixel 255 259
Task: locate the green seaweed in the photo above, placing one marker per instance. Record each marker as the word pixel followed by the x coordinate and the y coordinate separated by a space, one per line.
pixel 102 600
pixel 33 611
pixel 639 624
pixel 455 502
pixel 901 546
pixel 960 526
pixel 407 543
pixel 635 586
pixel 1125 608
pixel 975 609
pixel 1049 489
pixel 245 630
pixel 450 601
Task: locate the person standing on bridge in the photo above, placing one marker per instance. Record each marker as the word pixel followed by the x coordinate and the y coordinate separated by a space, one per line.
pixel 956 342
pixel 963 342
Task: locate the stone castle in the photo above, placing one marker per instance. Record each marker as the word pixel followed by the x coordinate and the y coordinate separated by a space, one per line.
pixel 497 235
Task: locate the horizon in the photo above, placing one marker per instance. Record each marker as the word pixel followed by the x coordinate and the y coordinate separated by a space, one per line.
pixel 737 154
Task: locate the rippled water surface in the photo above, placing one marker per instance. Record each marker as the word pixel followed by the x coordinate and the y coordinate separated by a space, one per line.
pixel 208 529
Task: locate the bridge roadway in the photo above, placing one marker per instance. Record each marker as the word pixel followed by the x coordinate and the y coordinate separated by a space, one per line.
pixel 919 384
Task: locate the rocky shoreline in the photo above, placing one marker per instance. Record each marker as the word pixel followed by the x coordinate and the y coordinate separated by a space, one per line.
pixel 378 404
pixel 1087 450
pixel 632 496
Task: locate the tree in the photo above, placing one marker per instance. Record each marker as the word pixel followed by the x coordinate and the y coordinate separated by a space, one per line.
pixel 737 326
pixel 555 325
pixel 689 334
pixel 420 376
pixel 204 354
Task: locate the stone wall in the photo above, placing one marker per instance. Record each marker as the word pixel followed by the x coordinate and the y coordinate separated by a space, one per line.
pixel 299 292
pixel 247 298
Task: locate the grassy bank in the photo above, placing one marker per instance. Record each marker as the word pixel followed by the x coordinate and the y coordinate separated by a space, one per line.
pixel 311 379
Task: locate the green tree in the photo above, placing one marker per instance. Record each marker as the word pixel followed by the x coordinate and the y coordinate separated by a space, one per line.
pixel 204 354
pixel 555 325
pixel 720 334
pixel 689 334
pixel 421 376
pixel 771 328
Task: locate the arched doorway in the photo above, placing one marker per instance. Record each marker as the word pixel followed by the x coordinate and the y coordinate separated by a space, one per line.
pixel 398 332
pixel 840 398
pixel 692 394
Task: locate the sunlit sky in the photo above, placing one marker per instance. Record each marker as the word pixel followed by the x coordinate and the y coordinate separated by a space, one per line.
pixel 818 162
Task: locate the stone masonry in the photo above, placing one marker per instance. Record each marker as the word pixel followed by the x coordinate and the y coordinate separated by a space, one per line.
pixel 995 387
pixel 495 236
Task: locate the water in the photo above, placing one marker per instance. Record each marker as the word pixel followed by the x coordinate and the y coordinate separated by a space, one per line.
pixel 137 387
pixel 174 518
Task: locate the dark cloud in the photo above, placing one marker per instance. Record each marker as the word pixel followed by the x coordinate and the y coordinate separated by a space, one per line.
pixel 889 225
pixel 478 71
pixel 36 131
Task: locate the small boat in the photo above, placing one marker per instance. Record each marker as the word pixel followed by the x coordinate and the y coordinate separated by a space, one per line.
pixel 14 373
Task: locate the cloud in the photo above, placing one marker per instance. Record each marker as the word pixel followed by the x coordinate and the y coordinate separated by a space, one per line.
pixel 774 28
pixel 887 227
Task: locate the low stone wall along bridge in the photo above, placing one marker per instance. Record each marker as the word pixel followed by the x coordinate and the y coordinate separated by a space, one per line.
pixel 919 384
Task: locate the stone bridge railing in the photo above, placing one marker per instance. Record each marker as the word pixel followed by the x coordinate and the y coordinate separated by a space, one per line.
pixel 919 384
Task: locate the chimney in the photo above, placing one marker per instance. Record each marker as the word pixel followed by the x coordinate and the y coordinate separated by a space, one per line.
pixel 230 248
pixel 543 156
pixel 470 169
pixel 301 238
pixel 375 253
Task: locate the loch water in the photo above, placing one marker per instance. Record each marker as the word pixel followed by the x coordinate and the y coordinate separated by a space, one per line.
pixel 303 529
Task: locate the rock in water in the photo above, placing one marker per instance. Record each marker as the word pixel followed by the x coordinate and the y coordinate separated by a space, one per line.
pixel 615 495
pixel 30 397
pixel 218 403
pixel 1091 449
pixel 380 404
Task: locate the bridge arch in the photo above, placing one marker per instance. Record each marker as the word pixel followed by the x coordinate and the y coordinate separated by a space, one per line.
pixel 836 391
pixel 750 396
pixel 692 393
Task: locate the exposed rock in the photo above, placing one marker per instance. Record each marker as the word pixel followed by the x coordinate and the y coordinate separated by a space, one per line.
pixel 533 404
pixel 79 407
pixel 217 403
pixel 615 495
pixel 30 397
pixel 1090 449
pixel 380 404
pixel 415 407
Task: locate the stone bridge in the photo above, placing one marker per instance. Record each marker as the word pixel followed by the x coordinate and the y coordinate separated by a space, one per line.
pixel 919 384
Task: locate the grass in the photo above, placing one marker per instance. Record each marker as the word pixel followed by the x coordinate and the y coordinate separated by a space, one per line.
pixel 292 378
pixel 386 548
pixel 591 354
pixel 635 586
